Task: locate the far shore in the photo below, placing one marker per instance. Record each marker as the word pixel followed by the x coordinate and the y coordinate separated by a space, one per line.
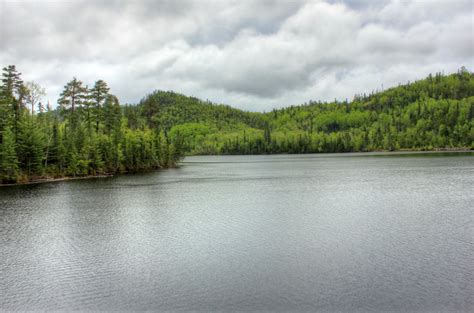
pixel 434 150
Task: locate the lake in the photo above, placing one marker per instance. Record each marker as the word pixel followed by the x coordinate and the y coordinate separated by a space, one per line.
pixel 328 232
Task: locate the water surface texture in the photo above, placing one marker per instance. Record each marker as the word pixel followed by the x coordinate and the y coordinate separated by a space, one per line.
pixel 338 232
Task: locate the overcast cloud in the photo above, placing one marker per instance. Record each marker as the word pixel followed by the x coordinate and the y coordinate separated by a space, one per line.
pixel 254 55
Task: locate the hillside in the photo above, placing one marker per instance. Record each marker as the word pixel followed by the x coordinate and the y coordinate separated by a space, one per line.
pixel 433 113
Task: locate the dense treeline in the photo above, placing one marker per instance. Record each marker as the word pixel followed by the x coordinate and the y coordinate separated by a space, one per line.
pixel 90 133
pixel 433 113
pixel 87 134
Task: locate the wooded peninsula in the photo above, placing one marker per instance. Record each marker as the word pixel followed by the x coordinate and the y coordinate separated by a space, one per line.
pixel 89 133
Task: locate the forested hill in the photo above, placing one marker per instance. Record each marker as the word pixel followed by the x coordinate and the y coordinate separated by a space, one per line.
pixel 434 113
pixel 165 109
pixel 90 133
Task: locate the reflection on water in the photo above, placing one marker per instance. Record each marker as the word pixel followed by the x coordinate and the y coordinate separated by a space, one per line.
pixel 303 232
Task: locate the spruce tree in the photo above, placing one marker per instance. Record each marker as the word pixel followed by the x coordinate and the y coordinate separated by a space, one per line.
pixel 31 143
pixel 11 96
pixel 11 81
pixel 9 169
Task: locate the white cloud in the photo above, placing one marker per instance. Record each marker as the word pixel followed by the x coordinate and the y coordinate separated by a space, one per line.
pixel 252 54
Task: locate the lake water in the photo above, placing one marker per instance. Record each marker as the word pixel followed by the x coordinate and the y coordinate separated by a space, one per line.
pixel 342 232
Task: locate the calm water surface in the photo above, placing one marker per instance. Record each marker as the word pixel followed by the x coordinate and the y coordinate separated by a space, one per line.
pixel 302 233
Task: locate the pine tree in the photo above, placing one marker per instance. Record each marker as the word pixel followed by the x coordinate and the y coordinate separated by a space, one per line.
pixel 99 95
pixel 88 106
pixel 74 95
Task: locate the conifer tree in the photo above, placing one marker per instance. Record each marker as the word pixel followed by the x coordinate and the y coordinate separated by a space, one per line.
pixel 30 146
pixel 73 95
pixel 11 82
pixel 99 94
pixel 9 165
pixel 11 94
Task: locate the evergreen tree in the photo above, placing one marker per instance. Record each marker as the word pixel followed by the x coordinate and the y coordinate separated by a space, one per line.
pixel 73 95
pixel 11 82
pixel 99 94
pixel 9 165
pixel 112 115
pixel 11 95
pixel 30 146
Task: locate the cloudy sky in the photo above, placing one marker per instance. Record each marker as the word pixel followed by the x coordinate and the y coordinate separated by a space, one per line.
pixel 254 55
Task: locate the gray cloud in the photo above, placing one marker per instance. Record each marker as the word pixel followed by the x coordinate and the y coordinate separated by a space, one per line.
pixel 252 54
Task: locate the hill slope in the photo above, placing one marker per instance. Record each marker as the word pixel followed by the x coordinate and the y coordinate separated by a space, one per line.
pixel 433 113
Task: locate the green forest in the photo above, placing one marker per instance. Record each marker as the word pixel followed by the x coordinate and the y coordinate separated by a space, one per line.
pixel 434 113
pixel 87 134
pixel 90 133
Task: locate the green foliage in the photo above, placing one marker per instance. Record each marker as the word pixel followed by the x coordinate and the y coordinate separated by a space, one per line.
pixel 87 135
pixel 98 96
pixel 73 95
pixel 163 110
pixel 428 114
pixel 31 144
pixel 9 169
pixel 90 133
pixel 12 93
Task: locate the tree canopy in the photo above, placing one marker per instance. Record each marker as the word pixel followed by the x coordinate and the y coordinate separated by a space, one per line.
pixel 87 134
pixel 90 133
pixel 434 113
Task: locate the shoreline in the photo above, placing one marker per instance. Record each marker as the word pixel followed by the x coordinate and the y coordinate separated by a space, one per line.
pixel 401 151
pixel 59 179
pixel 435 150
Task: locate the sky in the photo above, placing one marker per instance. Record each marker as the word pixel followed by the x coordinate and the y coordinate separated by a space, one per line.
pixel 254 55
